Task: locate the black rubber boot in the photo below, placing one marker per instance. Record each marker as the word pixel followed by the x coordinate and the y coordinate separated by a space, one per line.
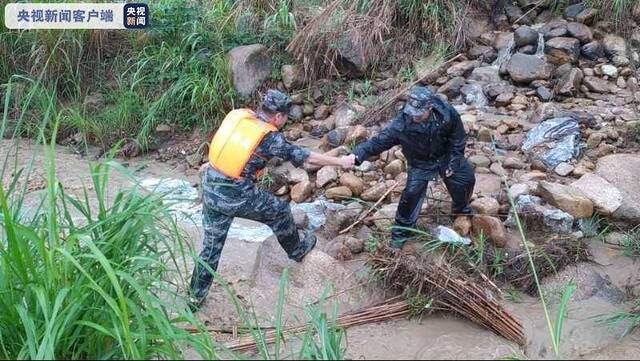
pixel 307 243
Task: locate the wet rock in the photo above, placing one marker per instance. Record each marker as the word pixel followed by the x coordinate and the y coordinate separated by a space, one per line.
pixel 334 138
pixel 326 175
pixel 483 53
pixel 623 172
pixel 553 141
pixel 486 205
pixel 479 161
pixel 525 68
pixel 605 197
pixel 525 35
pixel 301 191
pixel 597 85
pixel 528 49
pixel 566 198
pixel 345 115
pixel 593 50
pixel 374 193
pixel 462 226
pixel 562 50
pixel 491 228
pixel 292 76
pixel 614 45
pixel 462 68
pixel 492 90
pixel 486 74
pixel 554 29
pixel 572 11
pixel 321 112
pixel 354 183
pixel 569 84
pixel 544 94
pixel 580 32
pixel 452 88
pixel 564 169
pixel 250 66
pixel 394 168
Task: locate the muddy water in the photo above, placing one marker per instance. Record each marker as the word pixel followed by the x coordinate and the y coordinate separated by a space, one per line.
pixel 253 270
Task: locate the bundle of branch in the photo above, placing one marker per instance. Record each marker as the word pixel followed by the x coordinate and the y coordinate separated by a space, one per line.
pixel 549 258
pixel 388 310
pixel 449 288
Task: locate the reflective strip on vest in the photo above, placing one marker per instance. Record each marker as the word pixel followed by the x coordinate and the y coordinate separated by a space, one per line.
pixel 235 141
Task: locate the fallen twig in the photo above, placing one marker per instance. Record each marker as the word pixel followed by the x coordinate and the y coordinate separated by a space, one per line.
pixel 365 214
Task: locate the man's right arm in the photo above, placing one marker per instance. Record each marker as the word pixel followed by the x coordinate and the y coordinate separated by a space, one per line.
pixel 377 144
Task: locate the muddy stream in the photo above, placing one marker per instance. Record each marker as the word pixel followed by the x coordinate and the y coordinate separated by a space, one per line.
pixel 252 263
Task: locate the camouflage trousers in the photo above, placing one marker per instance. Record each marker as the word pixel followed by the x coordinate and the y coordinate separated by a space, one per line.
pixel 223 199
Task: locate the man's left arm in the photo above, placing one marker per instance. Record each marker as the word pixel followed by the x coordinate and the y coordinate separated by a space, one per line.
pixel 458 141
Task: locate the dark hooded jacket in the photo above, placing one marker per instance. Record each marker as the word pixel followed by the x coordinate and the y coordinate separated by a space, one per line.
pixel 432 145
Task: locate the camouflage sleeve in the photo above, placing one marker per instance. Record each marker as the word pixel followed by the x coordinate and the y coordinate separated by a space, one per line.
pixel 276 145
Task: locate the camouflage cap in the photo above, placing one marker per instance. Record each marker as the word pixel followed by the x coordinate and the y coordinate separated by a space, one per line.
pixel 276 102
pixel 419 101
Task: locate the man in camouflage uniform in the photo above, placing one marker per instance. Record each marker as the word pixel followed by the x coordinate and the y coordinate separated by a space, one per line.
pixel 225 198
pixel 433 140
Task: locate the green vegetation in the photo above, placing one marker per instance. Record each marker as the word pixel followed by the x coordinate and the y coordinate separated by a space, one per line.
pixel 631 242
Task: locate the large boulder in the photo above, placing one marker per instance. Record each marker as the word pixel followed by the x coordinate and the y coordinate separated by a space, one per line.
pixel 597 85
pixel 569 84
pixel 623 171
pixel 614 45
pixel 566 198
pixel 525 35
pixel 486 74
pixel 352 53
pixel 250 66
pixel 580 32
pixel 606 198
pixel 563 50
pixel 526 68
pixel 452 88
pixel 593 50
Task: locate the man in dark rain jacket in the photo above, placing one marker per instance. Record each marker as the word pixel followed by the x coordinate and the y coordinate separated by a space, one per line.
pixel 433 140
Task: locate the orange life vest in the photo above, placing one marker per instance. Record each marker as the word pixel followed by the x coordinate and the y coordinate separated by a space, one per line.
pixel 236 140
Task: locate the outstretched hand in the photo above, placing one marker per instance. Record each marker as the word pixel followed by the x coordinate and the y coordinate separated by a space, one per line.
pixel 347 161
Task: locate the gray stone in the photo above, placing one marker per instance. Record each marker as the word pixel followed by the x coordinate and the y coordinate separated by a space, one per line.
pixel 462 68
pixel 487 74
pixel 479 160
pixel 250 66
pixel 610 71
pixel 292 76
pixel 544 94
pixel 562 50
pixel 569 84
pixel 345 115
pixel 597 85
pixel 525 68
pixel 326 175
pixel 593 50
pixel 525 35
pixel 483 53
pixel 452 88
pixel 580 32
